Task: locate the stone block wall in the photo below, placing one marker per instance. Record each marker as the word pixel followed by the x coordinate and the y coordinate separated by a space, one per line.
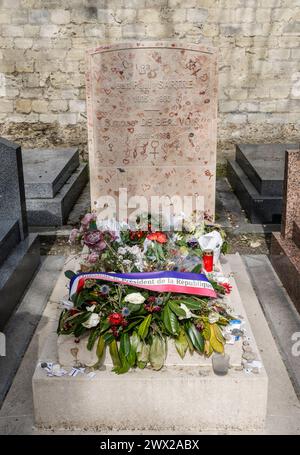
pixel 42 62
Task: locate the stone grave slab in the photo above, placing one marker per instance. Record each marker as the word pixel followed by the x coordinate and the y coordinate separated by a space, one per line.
pixel 46 170
pixel 16 273
pixel 264 165
pixel 152 112
pixel 9 238
pixel 54 211
pixel 259 208
pixel 216 402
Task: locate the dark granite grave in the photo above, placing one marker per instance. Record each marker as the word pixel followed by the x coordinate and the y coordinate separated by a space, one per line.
pixel 12 194
pixel 19 253
pixel 257 179
pixel 285 246
pixel 259 209
pixel 54 179
pixel 46 170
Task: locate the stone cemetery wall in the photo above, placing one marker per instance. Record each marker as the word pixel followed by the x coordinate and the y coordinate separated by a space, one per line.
pixel 42 62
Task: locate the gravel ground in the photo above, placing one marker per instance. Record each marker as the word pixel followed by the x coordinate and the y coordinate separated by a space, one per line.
pixel 243 244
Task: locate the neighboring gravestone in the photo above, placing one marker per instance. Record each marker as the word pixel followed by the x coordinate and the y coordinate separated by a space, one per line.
pixel 54 178
pixel 19 252
pixel 285 247
pixel 152 113
pixel 12 194
pixel 257 179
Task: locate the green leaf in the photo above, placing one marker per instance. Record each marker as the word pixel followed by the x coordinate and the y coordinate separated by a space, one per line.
pixel 131 358
pixel 92 338
pixel 195 336
pixel 157 354
pixel 144 327
pixel 176 309
pixel 104 326
pixel 114 353
pixel 143 355
pixel 170 320
pixel 125 344
pixel 79 330
pixel 69 274
pixel 131 325
pixel 192 304
pixel 181 343
pixel 197 268
pixel 124 365
pixel 206 331
pixel 108 337
pixel 100 347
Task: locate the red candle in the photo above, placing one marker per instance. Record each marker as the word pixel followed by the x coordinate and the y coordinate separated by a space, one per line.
pixel 208 260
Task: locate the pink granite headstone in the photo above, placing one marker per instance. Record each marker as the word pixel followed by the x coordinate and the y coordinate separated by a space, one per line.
pixel 291 193
pixel 152 114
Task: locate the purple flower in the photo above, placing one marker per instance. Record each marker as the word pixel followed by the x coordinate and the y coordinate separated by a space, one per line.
pixel 159 301
pixel 87 219
pixel 125 311
pixel 104 289
pixel 193 243
pixel 93 257
pixel 73 235
pixel 92 238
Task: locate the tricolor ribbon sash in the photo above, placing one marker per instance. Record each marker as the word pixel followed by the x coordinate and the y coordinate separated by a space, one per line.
pixel 168 281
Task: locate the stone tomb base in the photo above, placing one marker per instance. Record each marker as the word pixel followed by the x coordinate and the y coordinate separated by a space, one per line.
pixel 184 396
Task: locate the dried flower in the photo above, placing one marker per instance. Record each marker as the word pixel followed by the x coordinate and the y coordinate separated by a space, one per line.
pixel 74 235
pixel 93 257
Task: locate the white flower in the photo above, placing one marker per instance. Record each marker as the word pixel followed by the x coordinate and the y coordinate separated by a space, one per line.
pixel 112 225
pixel 92 321
pixel 91 308
pixel 188 313
pixel 122 250
pixel 213 317
pixel 136 298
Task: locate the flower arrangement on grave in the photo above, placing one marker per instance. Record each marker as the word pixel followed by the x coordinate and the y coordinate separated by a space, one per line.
pixel 149 290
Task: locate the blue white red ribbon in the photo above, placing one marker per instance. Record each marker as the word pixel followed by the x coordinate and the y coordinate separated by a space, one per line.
pixel 168 281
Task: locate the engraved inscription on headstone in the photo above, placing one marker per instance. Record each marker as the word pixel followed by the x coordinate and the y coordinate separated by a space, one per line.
pixel 152 111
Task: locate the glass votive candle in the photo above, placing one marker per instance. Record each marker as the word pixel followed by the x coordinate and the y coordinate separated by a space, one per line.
pixel 220 364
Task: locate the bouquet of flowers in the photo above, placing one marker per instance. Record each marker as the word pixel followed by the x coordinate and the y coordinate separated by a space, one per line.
pixel 135 321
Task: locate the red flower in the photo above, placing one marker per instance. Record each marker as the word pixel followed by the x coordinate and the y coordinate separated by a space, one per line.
pixel 116 319
pixel 73 311
pixel 159 237
pixel 136 235
pixel 227 287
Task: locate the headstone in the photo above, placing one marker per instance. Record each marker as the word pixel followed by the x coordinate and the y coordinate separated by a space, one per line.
pixel 257 178
pixel 12 194
pixel 285 246
pixel 19 252
pixel 152 113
